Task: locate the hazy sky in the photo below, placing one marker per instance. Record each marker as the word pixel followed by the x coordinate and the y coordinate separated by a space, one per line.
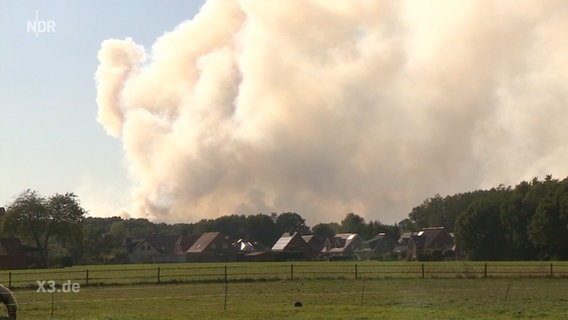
pixel 50 140
pixel 320 107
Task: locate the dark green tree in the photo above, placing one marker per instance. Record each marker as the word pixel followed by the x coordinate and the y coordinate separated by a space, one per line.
pixel 118 231
pixel 353 223
pixel 204 225
pixel 442 212
pixel 291 222
pixel 548 228
pixel 516 214
pixel 479 230
pixel 37 220
pixel 98 245
pixel 140 227
pixel 233 226
pixel 374 228
pixel 406 225
pixel 261 228
pixel 543 231
pixel 429 213
pixel 326 230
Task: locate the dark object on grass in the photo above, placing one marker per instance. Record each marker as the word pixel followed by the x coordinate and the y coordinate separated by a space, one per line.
pixel 7 298
pixel 297 304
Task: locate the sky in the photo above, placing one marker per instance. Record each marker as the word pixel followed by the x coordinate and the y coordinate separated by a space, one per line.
pixel 318 107
pixel 50 140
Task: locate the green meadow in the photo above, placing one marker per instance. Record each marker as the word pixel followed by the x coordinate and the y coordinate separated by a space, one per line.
pixel 95 275
pixel 445 294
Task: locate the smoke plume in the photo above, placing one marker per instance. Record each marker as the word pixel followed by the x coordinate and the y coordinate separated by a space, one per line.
pixel 327 107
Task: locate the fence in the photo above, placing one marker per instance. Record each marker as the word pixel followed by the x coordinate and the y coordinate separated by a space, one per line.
pixel 280 271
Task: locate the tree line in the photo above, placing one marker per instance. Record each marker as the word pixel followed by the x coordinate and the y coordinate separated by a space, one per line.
pixel 59 225
pixel 525 222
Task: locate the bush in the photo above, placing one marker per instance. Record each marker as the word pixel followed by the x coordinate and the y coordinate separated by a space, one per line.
pixel 66 261
pixel 60 262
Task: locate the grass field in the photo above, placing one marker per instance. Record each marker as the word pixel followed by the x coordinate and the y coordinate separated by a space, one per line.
pixel 369 297
pixel 238 271
pixel 514 298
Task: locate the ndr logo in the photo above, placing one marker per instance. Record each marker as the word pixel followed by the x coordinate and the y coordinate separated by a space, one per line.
pixel 38 26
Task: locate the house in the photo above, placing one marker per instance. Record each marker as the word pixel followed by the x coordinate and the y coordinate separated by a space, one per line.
pixel 183 243
pixel 405 247
pixel 252 251
pixel 141 250
pixel 245 247
pixel 291 246
pixel 260 256
pixel 156 248
pixel 376 248
pixel 12 254
pixel 314 243
pixel 434 243
pixel 342 246
pixel 212 247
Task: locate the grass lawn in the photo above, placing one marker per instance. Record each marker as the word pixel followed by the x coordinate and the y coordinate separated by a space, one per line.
pixel 386 298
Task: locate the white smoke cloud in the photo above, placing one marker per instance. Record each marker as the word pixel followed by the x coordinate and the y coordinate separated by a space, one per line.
pixel 326 107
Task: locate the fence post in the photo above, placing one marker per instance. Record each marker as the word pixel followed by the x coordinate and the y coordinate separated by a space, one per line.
pixel 291 271
pixel 226 288
pixel 86 277
pixel 10 280
pixel 356 275
pixel 485 270
pixel 422 271
pixel 551 274
pixel 158 275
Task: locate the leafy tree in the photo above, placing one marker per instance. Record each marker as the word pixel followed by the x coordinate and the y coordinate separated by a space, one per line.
pixel 480 232
pixel 516 214
pixel 548 229
pixel 442 212
pixel 454 205
pixel 38 220
pixel 118 231
pixel 291 222
pixel 353 223
pixel 204 225
pixel 326 230
pixel 527 222
pixel 179 228
pixel 406 225
pixel 544 228
pixel 140 227
pixel 261 228
pixel 428 213
pixel 232 226
pixel 98 244
pixel 375 227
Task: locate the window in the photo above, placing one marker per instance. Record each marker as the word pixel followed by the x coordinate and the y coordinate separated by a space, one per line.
pixel 213 246
pixel 225 246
